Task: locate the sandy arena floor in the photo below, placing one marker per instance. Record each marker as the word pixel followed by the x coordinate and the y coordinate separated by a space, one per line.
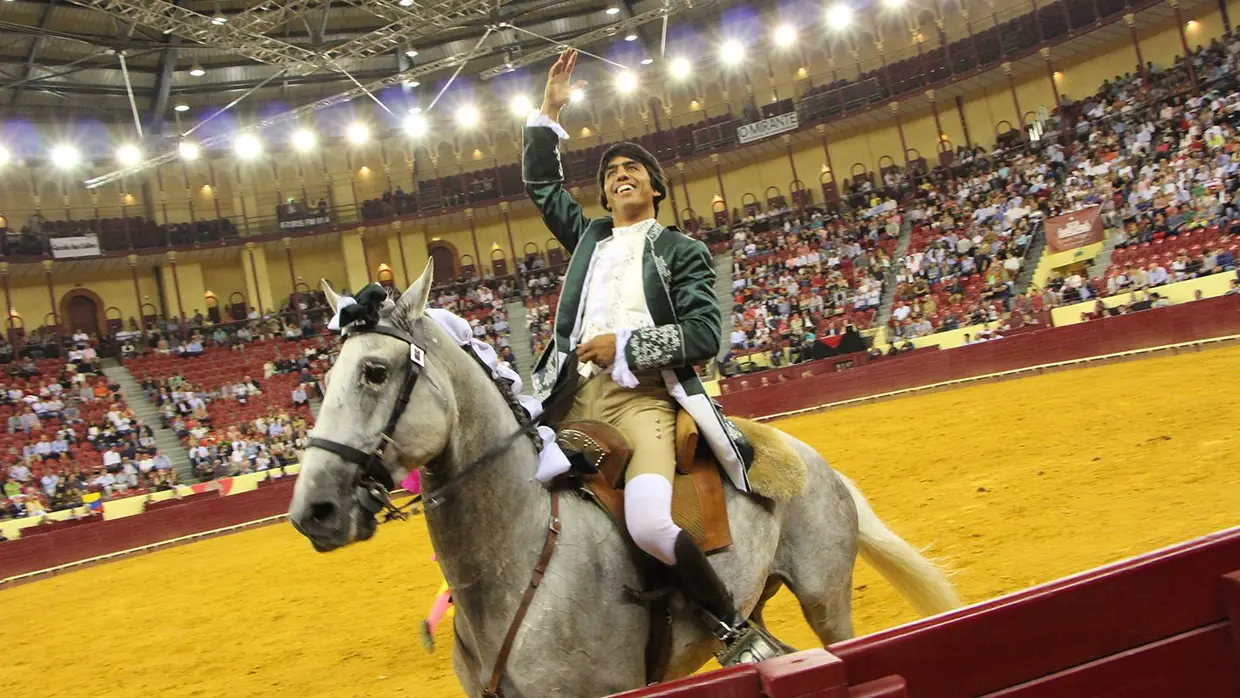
pixel 1012 484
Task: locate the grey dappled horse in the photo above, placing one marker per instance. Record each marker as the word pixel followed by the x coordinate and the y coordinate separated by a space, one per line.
pixel 582 635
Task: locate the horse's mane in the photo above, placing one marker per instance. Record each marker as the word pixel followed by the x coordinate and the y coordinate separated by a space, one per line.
pixel 504 386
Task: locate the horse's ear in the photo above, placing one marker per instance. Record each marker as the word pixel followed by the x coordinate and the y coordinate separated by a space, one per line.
pixel 333 298
pixel 414 300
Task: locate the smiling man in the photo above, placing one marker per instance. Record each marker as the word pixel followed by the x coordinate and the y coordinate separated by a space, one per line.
pixel 636 312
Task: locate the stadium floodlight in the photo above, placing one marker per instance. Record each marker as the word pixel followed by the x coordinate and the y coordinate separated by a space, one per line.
pixel 197 70
pixel 521 106
pixel 65 156
pixel 415 124
pixel 357 133
pixel 189 151
pixel 626 82
pixel 248 146
pixel 467 116
pixel 732 52
pixel 630 37
pixel 575 95
pixel 613 11
pixel 128 155
pixel 680 68
pixel 647 61
pixel 839 16
pixel 182 107
pixel 304 140
pixel 785 35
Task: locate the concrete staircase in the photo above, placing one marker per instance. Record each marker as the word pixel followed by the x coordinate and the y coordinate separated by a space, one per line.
pixel 723 294
pixel 1033 256
pixel 519 340
pixel 889 282
pixel 1103 260
pixel 165 439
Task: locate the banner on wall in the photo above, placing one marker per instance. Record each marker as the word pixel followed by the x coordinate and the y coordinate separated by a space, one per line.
pixel 304 222
pixel 76 246
pixel 1073 230
pixel 767 127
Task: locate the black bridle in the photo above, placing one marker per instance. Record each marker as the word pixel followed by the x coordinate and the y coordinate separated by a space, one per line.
pixel 374 480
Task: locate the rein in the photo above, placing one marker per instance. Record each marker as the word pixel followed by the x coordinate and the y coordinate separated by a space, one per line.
pixel 375 481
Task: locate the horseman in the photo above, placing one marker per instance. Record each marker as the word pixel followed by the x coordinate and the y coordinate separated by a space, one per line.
pixel 637 310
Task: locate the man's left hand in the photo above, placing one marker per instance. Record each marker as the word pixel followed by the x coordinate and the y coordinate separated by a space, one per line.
pixel 600 351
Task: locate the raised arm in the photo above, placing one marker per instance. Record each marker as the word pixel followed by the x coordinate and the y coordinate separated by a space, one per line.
pixel 541 169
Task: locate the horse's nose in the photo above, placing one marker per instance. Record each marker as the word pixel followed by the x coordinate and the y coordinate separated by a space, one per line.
pixel 318 520
pixel 322 512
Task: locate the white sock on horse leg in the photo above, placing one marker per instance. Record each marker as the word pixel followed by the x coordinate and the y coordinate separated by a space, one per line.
pixel 648 516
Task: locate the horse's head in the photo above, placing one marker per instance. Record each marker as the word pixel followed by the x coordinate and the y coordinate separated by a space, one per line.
pixel 352 450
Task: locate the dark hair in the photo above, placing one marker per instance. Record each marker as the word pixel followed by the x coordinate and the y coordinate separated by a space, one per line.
pixel 658 180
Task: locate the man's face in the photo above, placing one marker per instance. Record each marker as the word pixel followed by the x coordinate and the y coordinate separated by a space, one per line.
pixel 627 183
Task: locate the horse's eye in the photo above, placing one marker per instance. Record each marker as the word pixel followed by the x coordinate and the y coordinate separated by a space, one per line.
pixel 374 373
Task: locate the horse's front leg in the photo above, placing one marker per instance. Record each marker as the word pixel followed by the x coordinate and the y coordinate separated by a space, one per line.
pixel 464 663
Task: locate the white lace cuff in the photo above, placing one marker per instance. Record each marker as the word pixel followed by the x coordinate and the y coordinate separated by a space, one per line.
pixel 537 118
pixel 620 372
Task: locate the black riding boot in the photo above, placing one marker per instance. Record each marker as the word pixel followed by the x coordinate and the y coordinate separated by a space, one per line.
pixel 700 583
pixel 743 642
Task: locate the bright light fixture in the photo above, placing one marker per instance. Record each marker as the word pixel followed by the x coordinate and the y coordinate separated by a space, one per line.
pixel 626 82
pixel 181 107
pixel 415 124
pixel 219 19
pixel 197 71
pixel 412 83
pixel 785 35
pixel 411 52
pixel 248 146
pixel 680 68
pixel 467 116
pixel 520 106
pixel 189 151
pixel 839 16
pixel 575 95
pixel 406 3
pixel 613 10
pixel 357 133
pixel 65 156
pixel 631 37
pixel 647 61
pixel 128 155
pixel 4 155
pixel 732 52
pixel 303 140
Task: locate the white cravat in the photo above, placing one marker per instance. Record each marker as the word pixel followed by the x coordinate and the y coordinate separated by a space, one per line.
pixel 615 297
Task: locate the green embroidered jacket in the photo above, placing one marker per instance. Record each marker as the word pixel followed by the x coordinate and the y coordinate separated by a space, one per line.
pixel 678 277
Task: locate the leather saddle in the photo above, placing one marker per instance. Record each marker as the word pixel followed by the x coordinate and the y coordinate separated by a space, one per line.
pixel 698 505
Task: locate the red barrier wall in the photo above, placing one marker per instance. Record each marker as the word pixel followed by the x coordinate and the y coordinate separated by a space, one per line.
pixel 1214 317
pixel 1160 625
pixel 65 545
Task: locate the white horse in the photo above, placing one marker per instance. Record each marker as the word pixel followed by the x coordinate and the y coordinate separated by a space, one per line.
pixel 582 635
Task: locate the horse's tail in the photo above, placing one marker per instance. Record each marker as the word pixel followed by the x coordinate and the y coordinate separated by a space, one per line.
pixel 918 580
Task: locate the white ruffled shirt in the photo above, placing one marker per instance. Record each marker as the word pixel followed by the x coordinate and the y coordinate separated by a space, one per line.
pixel 615 298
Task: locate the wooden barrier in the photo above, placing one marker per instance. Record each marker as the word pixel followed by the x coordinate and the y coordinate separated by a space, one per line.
pixel 72 543
pixel 1214 317
pixel 1161 625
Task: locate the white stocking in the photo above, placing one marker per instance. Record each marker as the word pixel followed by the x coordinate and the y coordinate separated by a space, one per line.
pixel 648 516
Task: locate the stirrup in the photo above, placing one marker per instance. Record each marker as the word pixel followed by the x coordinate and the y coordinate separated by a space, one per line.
pixel 753 644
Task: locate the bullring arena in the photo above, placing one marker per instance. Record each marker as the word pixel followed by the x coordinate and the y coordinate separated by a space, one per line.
pixel 981 257
pixel 1057 483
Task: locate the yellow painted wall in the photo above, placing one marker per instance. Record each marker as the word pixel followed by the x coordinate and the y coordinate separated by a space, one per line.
pixel 193 291
pixel 1050 262
pixel 356 274
pixel 1181 292
pixel 224 279
pixel 258 279
pixel 31 303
